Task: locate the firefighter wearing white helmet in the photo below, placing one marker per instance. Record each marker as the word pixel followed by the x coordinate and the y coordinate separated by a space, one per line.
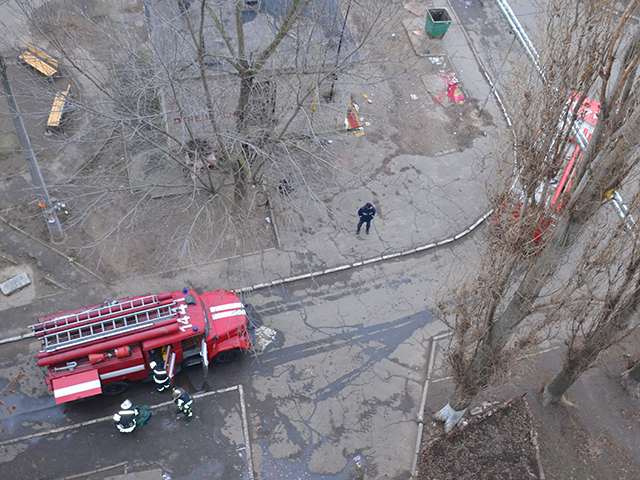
pixel 130 417
pixel 126 418
pixel 183 401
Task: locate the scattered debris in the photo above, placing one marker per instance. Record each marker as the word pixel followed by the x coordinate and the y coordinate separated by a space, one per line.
pixel 414 96
pixel 61 207
pixel 264 336
pixel 452 89
pixel 197 163
pixel 435 100
pixel 353 122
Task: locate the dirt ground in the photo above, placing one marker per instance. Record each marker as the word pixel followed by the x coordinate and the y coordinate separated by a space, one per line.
pixel 597 439
pixel 402 118
pixel 497 444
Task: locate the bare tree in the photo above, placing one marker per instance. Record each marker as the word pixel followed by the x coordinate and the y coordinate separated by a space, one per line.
pixel 204 110
pixel 590 55
pixel 600 304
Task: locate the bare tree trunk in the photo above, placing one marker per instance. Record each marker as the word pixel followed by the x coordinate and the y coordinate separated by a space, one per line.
pixel 616 314
pixel 582 360
pixel 484 365
pixel 453 411
pixel 607 159
pixel 631 380
pixel 246 87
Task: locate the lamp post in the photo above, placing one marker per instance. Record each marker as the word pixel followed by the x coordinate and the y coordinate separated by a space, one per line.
pixel 44 200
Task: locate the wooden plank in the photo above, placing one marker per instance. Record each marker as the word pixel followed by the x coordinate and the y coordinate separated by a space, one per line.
pixel 40 60
pixel 38 64
pixel 55 117
pixel 43 55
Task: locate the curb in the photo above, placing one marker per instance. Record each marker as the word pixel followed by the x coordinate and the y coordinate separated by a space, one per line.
pixel 366 262
pixel 423 402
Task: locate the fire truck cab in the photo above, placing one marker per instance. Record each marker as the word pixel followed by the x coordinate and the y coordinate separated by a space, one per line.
pixel 101 348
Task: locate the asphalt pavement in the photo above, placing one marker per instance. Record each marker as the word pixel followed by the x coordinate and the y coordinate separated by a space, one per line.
pixel 212 445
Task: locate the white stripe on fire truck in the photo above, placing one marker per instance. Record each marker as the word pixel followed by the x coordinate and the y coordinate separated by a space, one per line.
pixel 73 389
pixel 226 306
pixel 234 313
pixel 124 371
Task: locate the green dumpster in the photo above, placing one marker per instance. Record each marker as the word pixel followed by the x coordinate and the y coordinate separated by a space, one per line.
pixel 438 21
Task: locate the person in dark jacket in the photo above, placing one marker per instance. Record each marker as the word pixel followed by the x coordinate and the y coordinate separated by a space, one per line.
pixel 366 214
pixel 183 401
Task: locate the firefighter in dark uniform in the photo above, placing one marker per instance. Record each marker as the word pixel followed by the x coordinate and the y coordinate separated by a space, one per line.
pixel 183 401
pixel 130 417
pixel 160 376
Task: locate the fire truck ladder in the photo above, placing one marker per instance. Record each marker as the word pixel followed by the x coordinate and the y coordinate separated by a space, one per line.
pixel 104 325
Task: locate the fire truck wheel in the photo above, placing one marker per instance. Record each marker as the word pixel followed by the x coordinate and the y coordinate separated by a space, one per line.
pixel 227 356
pixel 115 388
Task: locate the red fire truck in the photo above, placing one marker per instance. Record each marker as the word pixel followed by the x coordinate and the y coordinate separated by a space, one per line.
pixel 585 122
pixel 102 348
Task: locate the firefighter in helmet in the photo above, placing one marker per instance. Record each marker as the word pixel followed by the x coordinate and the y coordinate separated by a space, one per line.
pixel 126 418
pixel 160 376
pixel 130 417
pixel 183 401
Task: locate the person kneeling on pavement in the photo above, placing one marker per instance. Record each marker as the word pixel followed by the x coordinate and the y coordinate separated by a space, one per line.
pixel 183 401
pixel 130 417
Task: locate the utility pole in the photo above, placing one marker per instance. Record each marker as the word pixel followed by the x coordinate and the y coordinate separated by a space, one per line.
pixel 44 200
pixel 334 76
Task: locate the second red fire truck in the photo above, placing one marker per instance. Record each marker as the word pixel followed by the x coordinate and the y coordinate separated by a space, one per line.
pixel 586 118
